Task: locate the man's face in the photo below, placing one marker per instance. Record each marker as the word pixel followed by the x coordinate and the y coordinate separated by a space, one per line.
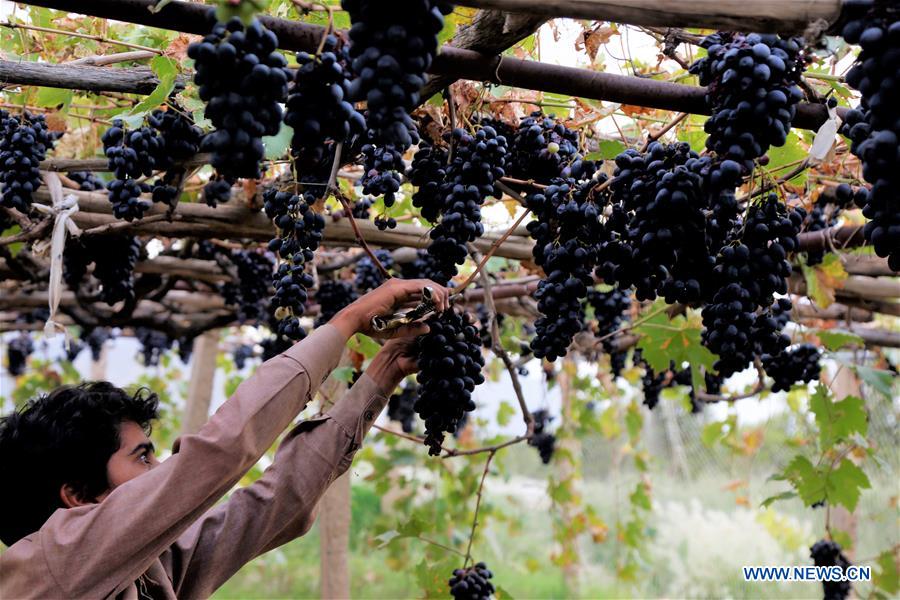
pixel 134 457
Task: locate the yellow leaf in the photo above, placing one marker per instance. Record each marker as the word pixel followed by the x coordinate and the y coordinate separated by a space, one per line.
pixel 599 533
pixel 511 207
pixel 734 485
pixel 823 279
pixel 752 441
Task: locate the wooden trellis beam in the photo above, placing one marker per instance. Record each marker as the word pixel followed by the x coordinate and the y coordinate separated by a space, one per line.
pixel 454 62
pixel 779 16
pixel 490 32
pixel 135 80
pixel 235 221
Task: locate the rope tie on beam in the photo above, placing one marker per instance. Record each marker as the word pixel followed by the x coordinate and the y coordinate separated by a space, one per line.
pixel 61 210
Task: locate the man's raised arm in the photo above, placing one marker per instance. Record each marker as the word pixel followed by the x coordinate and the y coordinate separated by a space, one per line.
pixel 98 549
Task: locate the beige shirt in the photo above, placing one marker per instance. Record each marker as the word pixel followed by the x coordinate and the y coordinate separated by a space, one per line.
pixel 159 536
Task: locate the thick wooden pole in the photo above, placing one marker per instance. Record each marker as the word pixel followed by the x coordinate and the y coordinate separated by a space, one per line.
pixel 490 32
pixel 782 16
pixel 335 515
pixel 200 387
pixel 673 438
pixel 844 383
pixel 568 472
pixel 137 80
pixel 98 367
pixel 456 63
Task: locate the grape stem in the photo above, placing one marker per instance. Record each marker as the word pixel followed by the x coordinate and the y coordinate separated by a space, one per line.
pixel 487 466
pixel 759 387
pixel 439 545
pixel 804 164
pixel 451 452
pixel 668 127
pixel 348 211
pixel 120 225
pixel 87 36
pixel 32 232
pixel 451 111
pixel 497 242
pixel 631 325
pixel 500 351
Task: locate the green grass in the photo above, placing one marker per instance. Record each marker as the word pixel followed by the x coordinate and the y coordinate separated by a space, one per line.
pixel 520 559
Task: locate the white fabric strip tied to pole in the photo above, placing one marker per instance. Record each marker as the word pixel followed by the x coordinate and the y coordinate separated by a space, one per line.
pixel 62 210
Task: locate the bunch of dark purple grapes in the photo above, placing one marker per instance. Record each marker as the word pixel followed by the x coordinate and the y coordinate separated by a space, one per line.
pixel 24 142
pixel 874 128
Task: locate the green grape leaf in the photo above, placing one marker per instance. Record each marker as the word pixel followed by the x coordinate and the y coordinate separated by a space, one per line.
pixel 717 431
pixel 881 381
pixel 692 132
pixel 835 340
pixel 344 374
pixel 387 537
pixel 791 152
pixel 505 413
pixel 232 383
pixel 678 340
pixel 639 497
pixel 634 420
pixel 806 479
pixel 782 496
pixel 53 97
pixel 364 345
pixel 837 420
pixel 886 577
pixel 843 485
pixel 607 150
pixel 42 17
pixel 166 69
pixel 14 249
pixel 433 577
pixel 501 594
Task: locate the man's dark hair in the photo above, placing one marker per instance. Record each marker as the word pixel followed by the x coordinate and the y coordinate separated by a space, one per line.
pixel 64 437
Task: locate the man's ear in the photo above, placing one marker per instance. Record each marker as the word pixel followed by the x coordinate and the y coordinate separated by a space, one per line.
pixel 70 498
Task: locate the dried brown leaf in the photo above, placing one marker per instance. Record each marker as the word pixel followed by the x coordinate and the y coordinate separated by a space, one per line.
pixel 177 49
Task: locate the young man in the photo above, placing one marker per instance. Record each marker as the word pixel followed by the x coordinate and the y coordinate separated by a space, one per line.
pixel 88 512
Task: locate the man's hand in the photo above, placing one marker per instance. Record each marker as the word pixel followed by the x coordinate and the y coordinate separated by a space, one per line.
pixel 387 298
pixel 395 360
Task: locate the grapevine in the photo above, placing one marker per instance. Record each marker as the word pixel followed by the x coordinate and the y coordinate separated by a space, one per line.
pixel 874 128
pixel 113 256
pixel 450 363
pixel 565 231
pixel 299 233
pixel 24 142
pixel 826 553
pixel 243 80
pixel 401 407
pixel 478 161
pixel 543 440
pixel 472 583
pixel 17 353
pixel 332 296
pixel 368 277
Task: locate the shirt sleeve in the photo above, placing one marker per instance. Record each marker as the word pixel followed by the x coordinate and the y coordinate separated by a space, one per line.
pixel 100 549
pixel 282 505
